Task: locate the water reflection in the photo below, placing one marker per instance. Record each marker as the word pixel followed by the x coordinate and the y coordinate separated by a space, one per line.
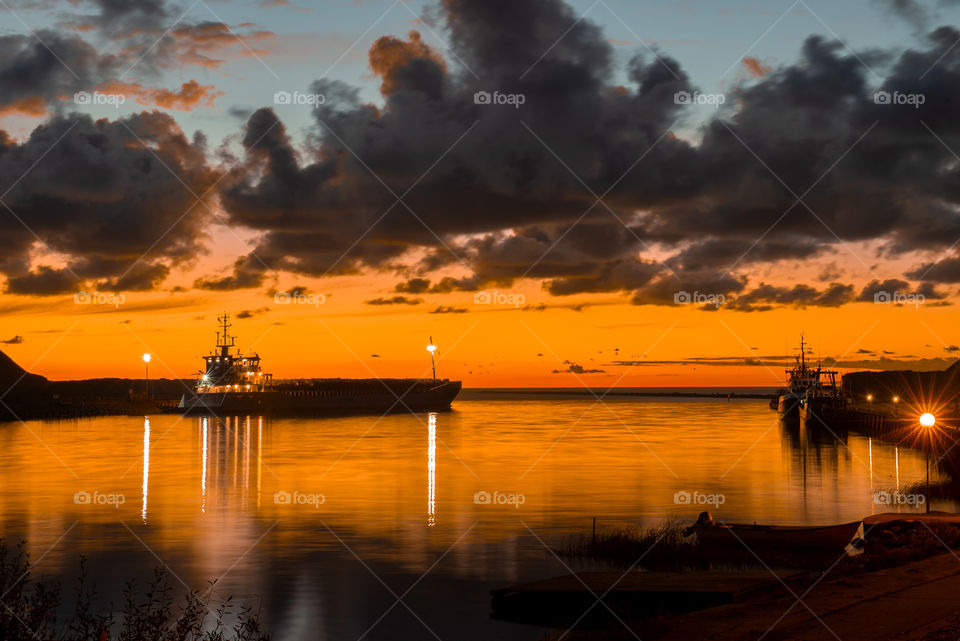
pixel 146 467
pixel 229 450
pixel 207 513
pixel 204 427
pixel 432 469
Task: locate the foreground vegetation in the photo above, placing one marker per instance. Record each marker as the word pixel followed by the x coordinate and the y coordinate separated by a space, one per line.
pixel 32 610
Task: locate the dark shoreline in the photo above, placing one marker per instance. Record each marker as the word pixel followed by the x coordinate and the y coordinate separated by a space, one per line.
pixel 604 393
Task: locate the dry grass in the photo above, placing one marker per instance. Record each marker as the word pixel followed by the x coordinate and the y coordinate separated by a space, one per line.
pixel 148 613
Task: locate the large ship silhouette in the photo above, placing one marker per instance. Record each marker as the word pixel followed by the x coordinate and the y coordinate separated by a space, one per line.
pixel 233 383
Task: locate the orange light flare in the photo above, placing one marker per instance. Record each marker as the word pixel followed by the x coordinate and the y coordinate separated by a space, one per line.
pixel 910 400
pixel 930 425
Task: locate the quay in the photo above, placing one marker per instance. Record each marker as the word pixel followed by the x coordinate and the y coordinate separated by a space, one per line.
pixel 562 601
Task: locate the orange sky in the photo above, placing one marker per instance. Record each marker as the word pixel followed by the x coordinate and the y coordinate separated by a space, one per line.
pixel 486 346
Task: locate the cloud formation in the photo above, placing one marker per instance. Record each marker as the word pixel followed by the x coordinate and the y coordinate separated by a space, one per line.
pixel 454 183
pixel 102 203
pixel 499 193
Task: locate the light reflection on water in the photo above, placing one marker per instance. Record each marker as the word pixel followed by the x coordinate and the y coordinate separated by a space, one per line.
pixel 327 569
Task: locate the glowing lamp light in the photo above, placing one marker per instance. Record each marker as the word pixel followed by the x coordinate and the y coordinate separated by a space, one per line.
pixel 869 397
pixel 927 419
pixel 147 358
pixel 431 348
pixel 896 399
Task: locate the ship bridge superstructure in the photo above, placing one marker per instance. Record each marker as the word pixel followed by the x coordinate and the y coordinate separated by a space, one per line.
pixel 229 370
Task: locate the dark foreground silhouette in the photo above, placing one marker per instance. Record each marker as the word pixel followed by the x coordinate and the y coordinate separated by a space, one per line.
pixel 33 610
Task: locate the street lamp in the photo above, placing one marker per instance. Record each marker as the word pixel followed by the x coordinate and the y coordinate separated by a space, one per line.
pixel 146 374
pixel 432 348
pixel 927 421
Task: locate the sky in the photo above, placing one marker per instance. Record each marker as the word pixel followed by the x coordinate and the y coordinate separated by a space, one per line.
pixel 598 193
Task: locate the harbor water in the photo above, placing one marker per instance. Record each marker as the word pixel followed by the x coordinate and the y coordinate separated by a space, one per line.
pixel 398 526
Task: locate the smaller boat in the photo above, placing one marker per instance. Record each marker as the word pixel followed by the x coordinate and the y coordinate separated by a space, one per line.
pixel 786 537
pixel 823 399
pixel 775 400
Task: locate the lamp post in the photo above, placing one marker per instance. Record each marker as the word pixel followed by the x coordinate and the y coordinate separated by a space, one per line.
pixel 433 364
pixel 927 421
pixel 146 375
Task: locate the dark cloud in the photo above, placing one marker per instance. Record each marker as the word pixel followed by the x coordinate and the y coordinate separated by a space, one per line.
pixel 414 286
pixel 110 197
pixel 44 281
pixel 38 70
pixel 492 193
pixel 447 309
pixel 250 313
pixel 727 203
pixel 894 289
pixel 575 368
pixel 116 48
pixel 395 300
pixel 16 340
pixel 944 270
pixel 244 276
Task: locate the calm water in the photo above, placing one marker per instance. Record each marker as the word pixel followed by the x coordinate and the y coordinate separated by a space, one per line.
pixel 324 523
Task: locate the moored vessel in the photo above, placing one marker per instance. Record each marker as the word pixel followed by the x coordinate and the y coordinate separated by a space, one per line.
pixel 799 379
pixel 785 537
pixel 234 383
pixel 823 400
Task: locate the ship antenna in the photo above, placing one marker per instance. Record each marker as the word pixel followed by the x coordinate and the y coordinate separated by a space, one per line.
pixel 432 348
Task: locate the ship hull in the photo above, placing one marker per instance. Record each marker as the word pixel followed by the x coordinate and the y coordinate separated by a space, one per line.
pixel 339 397
pixel 788 407
pixel 820 410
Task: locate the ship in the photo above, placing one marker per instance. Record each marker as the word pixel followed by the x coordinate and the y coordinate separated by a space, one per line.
pixel 823 400
pixel 799 379
pixel 232 382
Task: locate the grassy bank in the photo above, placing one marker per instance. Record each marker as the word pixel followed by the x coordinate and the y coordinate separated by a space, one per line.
pixel 665 548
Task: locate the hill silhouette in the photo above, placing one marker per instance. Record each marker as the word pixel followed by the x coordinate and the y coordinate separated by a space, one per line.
pixel 26 396
pixel 12 374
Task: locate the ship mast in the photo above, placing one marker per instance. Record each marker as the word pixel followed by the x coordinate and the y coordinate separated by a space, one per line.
pixel 224 340
pixel 803 359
